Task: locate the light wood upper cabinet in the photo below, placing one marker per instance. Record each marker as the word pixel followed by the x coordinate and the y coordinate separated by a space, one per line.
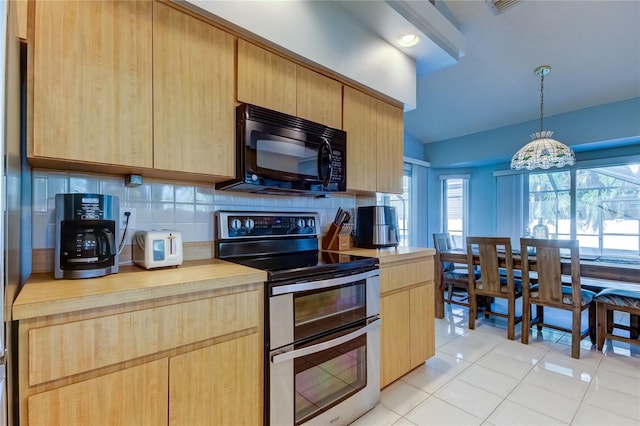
pixel 390 157
pixel 193 96
pixel 91 73
pixel 375 146
pixel 319 98
pixel 266 79
pixel 20 7
pixel 274 82
pixel 359 121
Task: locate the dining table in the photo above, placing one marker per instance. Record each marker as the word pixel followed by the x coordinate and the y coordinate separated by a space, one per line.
pixel 594 272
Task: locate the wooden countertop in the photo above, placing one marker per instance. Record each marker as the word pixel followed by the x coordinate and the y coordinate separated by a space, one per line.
pixel 44 295
pixel 392 254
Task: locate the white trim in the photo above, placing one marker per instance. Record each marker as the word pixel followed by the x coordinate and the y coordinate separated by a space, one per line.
pixel 445 177
pixel 417 162
pixel 598 162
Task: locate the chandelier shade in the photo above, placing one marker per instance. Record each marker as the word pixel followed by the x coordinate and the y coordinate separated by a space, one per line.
pixel 542 152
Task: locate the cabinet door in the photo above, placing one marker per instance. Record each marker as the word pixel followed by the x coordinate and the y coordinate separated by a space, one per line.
pixel 359 121
pixel 319 98
pixel 92 82
pixel 390 155
pixel 422 327
pixel 193 97
pixel 133 396
pixel 266 79
pixel 218 385
pixel 395 338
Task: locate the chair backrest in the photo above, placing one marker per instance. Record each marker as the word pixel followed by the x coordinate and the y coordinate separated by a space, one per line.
pixel 548 264
pixel 442 241
pixel 488 249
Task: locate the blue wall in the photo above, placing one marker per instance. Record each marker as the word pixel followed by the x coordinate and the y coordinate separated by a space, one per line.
pixel 482 200
pixel 608 125
pixel 413 147
pixel 606 131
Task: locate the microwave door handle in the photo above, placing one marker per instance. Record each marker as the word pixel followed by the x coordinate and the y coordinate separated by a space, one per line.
pixel 286 356
pixel 326 146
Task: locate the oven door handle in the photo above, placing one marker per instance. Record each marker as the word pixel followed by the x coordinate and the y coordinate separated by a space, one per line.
pixel 286 356
pixel 319 284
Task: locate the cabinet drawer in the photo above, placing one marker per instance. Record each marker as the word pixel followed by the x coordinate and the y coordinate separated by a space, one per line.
pixel 397 276
pixel 70 348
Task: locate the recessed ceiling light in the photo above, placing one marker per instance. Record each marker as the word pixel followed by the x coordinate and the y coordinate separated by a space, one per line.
pixel 408 40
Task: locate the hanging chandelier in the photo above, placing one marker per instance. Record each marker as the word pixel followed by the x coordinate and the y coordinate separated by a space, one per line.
pixel 542 152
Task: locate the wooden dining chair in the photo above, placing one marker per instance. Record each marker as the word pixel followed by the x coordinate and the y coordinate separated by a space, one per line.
pixel 491 283
pixel 455 278
pixel 551 292
pixel 611 300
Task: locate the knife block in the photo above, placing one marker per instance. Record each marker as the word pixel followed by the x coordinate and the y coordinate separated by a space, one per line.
pixel 334 241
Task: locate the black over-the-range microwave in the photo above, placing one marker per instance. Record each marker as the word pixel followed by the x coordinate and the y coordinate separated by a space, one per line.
pixel 281 154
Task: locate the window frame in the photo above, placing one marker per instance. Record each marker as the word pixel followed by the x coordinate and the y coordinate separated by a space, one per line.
pixel 602 250
pixel 444 208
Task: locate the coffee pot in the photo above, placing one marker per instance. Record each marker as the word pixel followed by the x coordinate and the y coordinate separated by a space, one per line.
pixel 86 229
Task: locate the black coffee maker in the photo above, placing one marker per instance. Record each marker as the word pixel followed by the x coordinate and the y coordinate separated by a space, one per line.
pixel 86 235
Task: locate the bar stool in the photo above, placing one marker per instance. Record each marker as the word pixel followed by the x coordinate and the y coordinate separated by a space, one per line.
pixel 613 299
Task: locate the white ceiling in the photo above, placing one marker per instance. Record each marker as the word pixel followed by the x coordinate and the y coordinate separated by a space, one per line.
pixel 592 46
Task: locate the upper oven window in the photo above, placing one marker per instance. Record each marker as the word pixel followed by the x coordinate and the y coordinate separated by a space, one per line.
pixel 319 311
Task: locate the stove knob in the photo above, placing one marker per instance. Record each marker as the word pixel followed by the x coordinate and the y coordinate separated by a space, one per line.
pixel 249 223
pixel 236 224
pixel 300 223
pixel 311 223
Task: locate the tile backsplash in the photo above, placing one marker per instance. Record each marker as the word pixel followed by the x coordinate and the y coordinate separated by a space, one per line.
pixel 183 207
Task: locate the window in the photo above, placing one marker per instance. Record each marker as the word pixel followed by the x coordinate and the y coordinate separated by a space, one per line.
pixel 454 207
pixel 599 206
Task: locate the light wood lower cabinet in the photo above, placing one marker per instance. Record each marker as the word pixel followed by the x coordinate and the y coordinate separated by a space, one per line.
pixel 422 326
pixel 395 338
pixel 217 385
pixel 407 335
pixel 133 396
pixel 183 360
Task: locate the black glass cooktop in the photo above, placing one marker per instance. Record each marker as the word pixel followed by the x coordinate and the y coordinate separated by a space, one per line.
pixel 304 264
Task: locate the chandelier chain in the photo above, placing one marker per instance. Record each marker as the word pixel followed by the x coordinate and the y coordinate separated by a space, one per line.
pixel 541 101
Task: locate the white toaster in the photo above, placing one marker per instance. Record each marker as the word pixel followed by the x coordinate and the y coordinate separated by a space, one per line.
pixel 157 249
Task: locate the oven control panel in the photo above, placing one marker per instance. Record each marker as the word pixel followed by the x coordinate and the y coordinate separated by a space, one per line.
pixel 232 224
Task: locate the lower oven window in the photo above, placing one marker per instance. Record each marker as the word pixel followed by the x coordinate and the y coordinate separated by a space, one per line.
pixel 326 378
pixel 321 310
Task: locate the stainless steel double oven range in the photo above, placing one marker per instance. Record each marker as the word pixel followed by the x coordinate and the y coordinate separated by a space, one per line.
pixel 322 317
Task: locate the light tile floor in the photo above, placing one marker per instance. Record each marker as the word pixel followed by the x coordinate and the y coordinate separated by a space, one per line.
pixel 478 377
